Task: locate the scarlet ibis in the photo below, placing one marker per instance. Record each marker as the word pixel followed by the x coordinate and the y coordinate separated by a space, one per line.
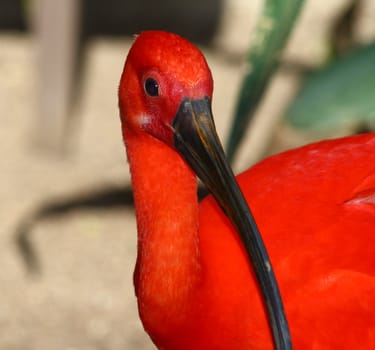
pixel 314 206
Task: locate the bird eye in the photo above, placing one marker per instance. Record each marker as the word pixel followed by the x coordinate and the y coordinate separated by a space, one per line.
pixel 152 87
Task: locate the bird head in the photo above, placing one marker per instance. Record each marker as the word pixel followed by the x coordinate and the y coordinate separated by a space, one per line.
pixel 161 71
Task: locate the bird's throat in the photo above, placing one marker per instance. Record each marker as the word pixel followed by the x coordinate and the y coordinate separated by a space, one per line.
pixel 165 193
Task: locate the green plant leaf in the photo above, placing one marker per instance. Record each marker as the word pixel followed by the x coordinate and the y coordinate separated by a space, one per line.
pixel 272 32
pixel 340 94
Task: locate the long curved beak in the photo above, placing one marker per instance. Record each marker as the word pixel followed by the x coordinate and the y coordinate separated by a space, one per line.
pixel 196 140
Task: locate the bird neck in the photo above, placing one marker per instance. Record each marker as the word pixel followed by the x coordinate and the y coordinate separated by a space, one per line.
pixel 165 194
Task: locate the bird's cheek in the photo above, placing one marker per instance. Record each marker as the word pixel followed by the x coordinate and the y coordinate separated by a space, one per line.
pixel 143 121
pixel 157 128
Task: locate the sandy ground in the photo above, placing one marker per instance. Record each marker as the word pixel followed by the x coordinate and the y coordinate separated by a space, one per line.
pixel 82 296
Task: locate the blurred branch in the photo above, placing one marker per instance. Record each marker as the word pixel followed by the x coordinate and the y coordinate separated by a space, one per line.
pixel 103 199
pixel 273 29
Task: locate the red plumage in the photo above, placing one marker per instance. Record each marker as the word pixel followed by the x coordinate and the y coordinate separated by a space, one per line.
pixel 315 208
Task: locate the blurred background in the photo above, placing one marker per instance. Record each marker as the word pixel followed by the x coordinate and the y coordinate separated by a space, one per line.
pixel 67 227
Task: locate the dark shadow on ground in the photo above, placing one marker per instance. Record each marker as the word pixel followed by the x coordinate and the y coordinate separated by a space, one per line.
pixel 105 198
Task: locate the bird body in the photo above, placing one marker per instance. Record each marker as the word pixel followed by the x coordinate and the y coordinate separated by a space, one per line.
pixel 314 206
pixel 188 294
